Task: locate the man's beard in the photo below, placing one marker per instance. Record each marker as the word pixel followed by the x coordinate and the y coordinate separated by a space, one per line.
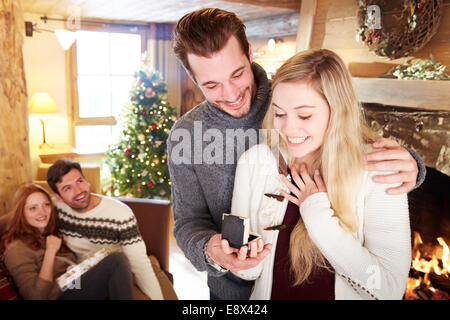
pixel 79 207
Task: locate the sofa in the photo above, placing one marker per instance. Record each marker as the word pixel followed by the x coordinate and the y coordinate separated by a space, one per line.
pixel 153 217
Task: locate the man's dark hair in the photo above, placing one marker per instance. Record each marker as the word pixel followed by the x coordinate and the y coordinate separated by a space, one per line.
pixel 205 32
pixel 59 169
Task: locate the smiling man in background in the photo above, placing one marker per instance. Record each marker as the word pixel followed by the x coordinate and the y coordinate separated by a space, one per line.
pixel 90 222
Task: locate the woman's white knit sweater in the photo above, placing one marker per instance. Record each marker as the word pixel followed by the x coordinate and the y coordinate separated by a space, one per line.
pixel 372 263
pixel 111 225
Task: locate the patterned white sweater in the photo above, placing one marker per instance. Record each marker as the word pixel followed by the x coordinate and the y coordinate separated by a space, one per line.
pixel 111 225
pixel 372 263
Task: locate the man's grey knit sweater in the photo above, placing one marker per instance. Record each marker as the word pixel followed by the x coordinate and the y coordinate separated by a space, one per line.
pixel 202 189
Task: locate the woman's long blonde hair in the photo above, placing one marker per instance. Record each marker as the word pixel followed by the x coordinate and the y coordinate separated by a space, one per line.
pixel 340 158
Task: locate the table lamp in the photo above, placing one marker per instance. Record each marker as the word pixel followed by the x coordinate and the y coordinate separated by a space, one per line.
pixel 42 103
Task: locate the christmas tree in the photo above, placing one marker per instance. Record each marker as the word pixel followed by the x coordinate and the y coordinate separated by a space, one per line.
pixel 138 163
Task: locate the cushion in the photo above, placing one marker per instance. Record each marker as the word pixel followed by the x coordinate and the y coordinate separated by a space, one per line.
pixel 91 172
pixel 4 222
pixel 7 289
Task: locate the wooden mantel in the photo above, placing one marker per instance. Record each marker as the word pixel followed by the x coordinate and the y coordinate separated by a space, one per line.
pixel 418 94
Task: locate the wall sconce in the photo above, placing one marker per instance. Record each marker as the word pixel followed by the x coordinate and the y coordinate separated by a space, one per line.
pixel 42 103
pixel 272 42
pixel 65 38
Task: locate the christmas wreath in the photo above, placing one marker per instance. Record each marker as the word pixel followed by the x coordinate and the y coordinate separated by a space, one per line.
pixel 396 29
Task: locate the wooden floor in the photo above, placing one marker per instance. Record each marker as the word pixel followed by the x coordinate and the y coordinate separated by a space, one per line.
pixel 189 284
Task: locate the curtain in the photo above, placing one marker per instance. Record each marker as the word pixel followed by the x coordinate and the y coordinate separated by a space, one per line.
pixel 159 47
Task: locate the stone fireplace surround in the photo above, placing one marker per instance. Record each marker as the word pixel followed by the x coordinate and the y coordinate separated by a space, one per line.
pixel 416 114
pixel 426 131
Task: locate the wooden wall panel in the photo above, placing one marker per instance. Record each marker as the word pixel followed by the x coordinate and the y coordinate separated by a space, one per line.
pixel 191 95
pixel 306 24
pixel 15 163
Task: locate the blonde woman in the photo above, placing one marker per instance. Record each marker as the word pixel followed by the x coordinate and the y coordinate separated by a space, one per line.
pixel 337 234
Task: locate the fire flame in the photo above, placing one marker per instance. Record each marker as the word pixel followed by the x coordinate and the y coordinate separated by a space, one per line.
pixel 438 264
pixel 426 266
pixel 445 254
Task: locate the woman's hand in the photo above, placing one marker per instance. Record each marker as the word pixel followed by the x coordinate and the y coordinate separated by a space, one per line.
pixel 306 186
pixel 53 243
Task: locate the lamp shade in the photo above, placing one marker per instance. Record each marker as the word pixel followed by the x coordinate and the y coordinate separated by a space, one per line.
pixel 65 38
pixel 42 103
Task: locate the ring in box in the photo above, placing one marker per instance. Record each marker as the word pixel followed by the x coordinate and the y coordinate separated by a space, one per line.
pixel 236 230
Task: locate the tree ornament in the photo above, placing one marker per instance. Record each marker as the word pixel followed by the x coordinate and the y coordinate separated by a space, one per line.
pixel 149 93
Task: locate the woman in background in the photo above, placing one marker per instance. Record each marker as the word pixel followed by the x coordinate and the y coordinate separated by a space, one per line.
pixel 35 255
pixel 337 237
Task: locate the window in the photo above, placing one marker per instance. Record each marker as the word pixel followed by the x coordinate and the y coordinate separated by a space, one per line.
pixel 104 68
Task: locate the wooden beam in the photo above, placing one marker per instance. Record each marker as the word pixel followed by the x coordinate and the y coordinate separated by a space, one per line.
pixel 273 26
pixel 418 94
pixel 285 4
pixel 15 161
pixel 305 24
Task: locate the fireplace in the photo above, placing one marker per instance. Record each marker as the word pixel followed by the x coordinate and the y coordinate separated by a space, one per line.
pixel 428 133
pixel 430 232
